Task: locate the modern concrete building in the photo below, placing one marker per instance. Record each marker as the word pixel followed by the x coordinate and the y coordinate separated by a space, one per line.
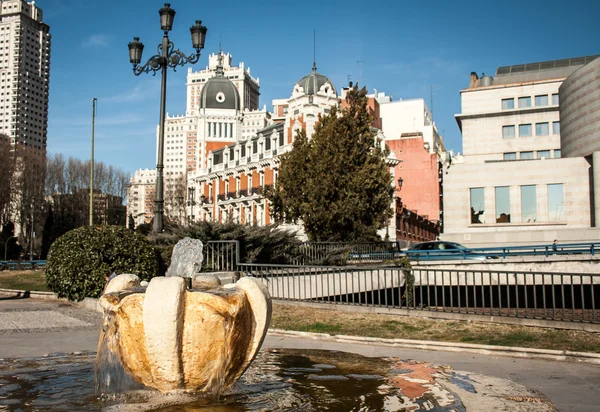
pixel 516 184
pixel 24 73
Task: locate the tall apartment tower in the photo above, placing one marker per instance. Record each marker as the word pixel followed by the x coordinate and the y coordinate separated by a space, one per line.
pixel 24 73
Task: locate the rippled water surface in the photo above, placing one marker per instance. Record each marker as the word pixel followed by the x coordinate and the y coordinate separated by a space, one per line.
pixel 278 380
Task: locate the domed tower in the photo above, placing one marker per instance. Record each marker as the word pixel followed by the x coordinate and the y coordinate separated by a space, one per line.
pixel 314 83
pixel 313 95
pixel 219 114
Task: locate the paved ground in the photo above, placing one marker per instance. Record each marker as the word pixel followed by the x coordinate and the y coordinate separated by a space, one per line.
pixel 30 328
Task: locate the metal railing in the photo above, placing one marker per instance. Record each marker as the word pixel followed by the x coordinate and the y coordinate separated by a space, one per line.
pixel 551 296
pixel 345 252
pixel 22 265
pixel 220 256
pixel 387 251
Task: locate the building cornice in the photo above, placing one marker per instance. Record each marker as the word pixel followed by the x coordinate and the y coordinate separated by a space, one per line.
pixel 546 109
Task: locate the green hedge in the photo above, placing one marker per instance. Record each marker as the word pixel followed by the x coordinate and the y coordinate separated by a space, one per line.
pixel 79 260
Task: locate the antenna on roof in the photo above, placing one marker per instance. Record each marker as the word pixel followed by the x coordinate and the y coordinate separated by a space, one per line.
pixel 314 50
pixel 360 62
pixel 431 100
pixel 220 60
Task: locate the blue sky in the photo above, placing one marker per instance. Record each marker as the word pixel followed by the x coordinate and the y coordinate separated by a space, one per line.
pixel 407 49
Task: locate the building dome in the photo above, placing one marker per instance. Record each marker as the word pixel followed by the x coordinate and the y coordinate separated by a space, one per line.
pixel 313 82
pixel 219 93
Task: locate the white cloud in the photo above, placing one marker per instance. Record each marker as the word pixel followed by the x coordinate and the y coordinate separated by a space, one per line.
pixel 98 40
pixel 138 93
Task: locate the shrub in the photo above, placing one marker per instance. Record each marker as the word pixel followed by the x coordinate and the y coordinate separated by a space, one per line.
pixel 258 244
pixel 79 260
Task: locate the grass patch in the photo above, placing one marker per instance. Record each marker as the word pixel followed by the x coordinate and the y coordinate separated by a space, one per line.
pixel 320 327
pixel 32 280
pixel 310 319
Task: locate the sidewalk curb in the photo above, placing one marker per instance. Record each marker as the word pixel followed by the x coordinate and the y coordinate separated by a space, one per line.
pixel 508 351
pixel 18 293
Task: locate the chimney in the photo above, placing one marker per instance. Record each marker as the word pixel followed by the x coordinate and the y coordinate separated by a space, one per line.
pixel 473 82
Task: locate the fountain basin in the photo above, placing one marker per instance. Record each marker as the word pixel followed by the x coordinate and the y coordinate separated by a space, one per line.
pixel 169 337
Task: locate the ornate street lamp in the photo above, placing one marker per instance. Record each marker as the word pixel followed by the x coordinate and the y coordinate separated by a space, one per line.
pixel 167 57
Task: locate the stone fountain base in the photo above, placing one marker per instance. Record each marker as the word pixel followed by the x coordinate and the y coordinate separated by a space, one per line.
pixel 169 337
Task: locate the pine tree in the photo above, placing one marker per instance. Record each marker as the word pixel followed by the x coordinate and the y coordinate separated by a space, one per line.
pixel 337 183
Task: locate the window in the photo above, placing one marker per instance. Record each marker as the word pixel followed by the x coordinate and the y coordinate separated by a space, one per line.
pixel 508 132
pixel 543 154
pixel 557 154
pixel 556 211
pixel 508 104
pixel 477 205
pixel 524 102
pixel 510 156
pixel 555 127
pixel 525 130
pixel 542 129
pixel 526 155
pixel 541 100
pixel 528 204
pixel 503 204
pixel 208 129
pixel 555 98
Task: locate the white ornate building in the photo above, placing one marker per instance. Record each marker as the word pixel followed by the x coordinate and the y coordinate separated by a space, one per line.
pixel 230 182
pixel 140 197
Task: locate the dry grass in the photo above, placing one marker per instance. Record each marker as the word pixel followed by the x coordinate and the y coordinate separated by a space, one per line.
pixel 23 279
pixel 335 322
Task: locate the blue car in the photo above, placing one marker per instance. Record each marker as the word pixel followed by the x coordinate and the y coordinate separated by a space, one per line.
pixel 441 250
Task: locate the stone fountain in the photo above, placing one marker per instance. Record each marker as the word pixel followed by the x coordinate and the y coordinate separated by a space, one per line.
pixel 169 336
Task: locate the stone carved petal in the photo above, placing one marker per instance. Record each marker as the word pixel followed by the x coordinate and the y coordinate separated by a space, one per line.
pixel 262 308
pixel 163 324
pixel 126 281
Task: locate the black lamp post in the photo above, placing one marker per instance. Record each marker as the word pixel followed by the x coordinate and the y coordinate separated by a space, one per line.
pixel 167 57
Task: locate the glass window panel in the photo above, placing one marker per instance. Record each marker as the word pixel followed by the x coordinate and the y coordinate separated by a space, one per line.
pixel 556 212
pixel 510 156
pixel 525 130
pixel 555 98
pixel 557 154
pixel 208 129
pixel 524 102
pixel 526 155
pixel 541 100
pixel 542 129
pixel 503 204
pixel 555 127
pixel 508 104
pixel 508 132
pixel 477 205
pixel 528 204
pixel 543 154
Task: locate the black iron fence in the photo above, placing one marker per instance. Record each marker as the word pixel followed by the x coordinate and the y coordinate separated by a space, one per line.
pixel 553 296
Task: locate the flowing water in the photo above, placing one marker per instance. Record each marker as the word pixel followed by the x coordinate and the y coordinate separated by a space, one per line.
pixel 278 380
